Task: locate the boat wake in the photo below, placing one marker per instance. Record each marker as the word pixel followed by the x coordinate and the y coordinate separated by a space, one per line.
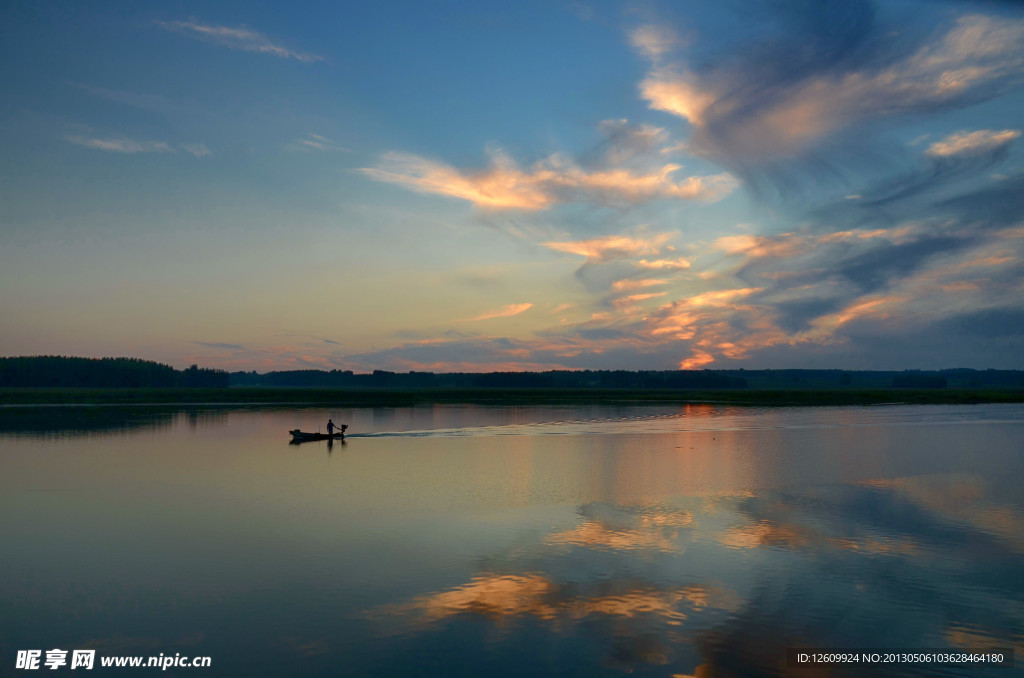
pixel 731 419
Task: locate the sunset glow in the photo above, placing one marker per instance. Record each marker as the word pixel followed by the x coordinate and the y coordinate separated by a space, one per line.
pixel 542 188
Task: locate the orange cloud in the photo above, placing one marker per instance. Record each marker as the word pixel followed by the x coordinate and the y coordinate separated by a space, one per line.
pixel 674 91
pixel 612 246
pixel 719 297
pixel 505 186
pixel 634 299
pixel 627 285
pixel 862 307
pixel 666 264
pixel 503 312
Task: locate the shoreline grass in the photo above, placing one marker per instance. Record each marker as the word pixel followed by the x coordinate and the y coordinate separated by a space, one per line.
pixel 495 396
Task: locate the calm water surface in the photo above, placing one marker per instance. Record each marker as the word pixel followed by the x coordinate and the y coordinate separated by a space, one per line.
pixel 517 541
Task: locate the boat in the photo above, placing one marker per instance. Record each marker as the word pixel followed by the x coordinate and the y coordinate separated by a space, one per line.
pixel 302 437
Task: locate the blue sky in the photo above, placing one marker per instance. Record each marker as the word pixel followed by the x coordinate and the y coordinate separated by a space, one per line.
pixel 473 186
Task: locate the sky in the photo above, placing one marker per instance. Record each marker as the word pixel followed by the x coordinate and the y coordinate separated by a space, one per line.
pixel 476 186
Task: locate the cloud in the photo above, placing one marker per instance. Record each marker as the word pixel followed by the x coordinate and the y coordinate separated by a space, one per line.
pixel 970 143
pixel 503 186
pixel 198 150
pixel 888 297
pixel 468 354
pixel 612 247
pixel 664 264
pixel 614 261
pixel 626 143
pixel 654 41
pixel 833 71
pixel 221 345
pixel 315 142
pixel 504 312
pixel 813 287
pixel 905 253
pixel 956 157
pixel 813 291
pixel 638 284
pixel 240 38
pixel 555 180
pixel 1001 204
pixel 129 146
pixel 121 145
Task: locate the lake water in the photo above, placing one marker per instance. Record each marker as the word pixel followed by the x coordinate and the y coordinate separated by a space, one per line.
pixel 512 541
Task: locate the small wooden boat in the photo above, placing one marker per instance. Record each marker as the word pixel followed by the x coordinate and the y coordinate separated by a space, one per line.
pixel 301 437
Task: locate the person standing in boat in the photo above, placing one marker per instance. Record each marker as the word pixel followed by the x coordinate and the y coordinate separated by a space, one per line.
pixel 331 427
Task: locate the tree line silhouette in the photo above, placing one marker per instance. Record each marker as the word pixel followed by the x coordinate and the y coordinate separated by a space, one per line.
pixel 551 379
pixel 72 372
pixel 63 371
pixel 640 379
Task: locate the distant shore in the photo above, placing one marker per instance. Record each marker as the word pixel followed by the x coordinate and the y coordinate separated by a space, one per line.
pixel 495 396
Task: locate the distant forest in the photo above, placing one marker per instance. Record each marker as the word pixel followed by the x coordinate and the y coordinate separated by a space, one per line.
pixel 653 379
pixel 104 373
pixel 58 371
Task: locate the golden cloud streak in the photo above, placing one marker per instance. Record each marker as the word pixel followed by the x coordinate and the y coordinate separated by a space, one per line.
pixel 612 246
pixel 628 285
pixel 554 181
pixel 503 312
pixel 971 142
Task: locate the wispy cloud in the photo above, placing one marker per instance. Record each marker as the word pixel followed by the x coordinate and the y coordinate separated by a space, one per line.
pixel 198 150
pixel 315 142
pixel 626 143
pixel 239 37
pixel 957 157
pixel 126 145
pixel 980 141
pixel 676 264
pixel 613 246
pixel 221 345
pixel 503 312
pixel 617 264
pixel 121 145
pixel 782 97
pixel 654 41
pixel 470 354
pixel 622 175
pixel 638 284
pixel 505 186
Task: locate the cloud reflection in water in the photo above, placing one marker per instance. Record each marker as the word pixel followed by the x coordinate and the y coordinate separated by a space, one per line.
pixel 721 586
